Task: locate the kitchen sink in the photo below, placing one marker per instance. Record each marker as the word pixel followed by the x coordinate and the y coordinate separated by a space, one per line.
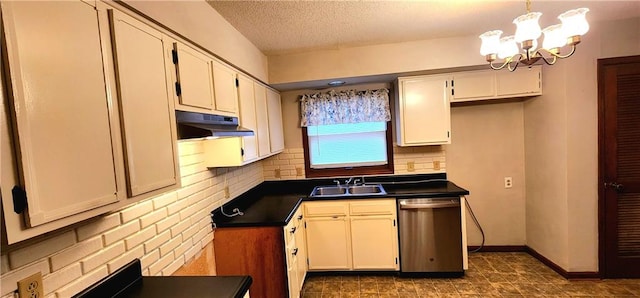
pixel 348 191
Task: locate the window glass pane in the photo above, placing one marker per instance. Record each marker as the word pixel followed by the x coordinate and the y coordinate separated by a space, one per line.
pixel 347 145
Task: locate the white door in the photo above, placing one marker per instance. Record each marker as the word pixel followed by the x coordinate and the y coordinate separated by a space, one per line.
pixel 262 117
pixel 224 86
pixel 276 134
pixel 374 242
pixel 248 117
pixel 328 243
pixel 424 111
pixel 149 140
pixel 64 112
pixel 195 77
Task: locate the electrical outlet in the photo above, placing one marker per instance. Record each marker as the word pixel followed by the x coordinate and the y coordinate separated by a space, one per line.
pixel 436 165
pixel 227 194
pixel 31 286
pixel 277 173
pixel 298 171
pixel 508 182
pixel 411 166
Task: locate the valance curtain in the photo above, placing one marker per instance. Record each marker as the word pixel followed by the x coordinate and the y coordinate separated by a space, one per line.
pixel 342 107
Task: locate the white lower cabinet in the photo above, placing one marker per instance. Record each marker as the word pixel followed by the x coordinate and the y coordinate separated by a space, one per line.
pixel 352 235
pixel 295 250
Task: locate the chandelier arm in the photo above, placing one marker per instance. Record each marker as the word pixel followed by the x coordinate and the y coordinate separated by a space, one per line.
pixel 552 62
pixel 573 50
pixel 505 63
pixel 516 63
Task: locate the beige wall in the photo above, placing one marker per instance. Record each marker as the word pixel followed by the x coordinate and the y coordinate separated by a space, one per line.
pixel 202 24
pixel 487 144
pixel 374 60
pixel 561 150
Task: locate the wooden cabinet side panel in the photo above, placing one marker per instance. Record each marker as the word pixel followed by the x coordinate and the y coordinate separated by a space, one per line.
pixel 258 252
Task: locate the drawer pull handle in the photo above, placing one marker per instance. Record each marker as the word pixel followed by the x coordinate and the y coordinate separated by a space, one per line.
pixel 293 230
pixel 295 251
pixel 300 217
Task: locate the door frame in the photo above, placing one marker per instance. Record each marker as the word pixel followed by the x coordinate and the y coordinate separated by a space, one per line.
pixel 602 159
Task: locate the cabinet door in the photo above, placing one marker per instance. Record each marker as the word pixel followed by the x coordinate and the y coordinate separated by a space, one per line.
pixel 522 82
pixel 301 245
pixel 224 86
pixel 473 85
pixel 276 134
pixel 374 242
pixel 328 243
pixel 149 140
pixel 65 118
pixel 248 117
pixel 194 76
pixel 424 111
pixel 262 117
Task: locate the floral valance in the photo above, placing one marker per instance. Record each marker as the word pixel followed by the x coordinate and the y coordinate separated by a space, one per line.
pixel 341 107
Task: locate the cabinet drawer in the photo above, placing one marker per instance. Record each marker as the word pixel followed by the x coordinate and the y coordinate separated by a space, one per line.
pixel 315 209
pixel 373 207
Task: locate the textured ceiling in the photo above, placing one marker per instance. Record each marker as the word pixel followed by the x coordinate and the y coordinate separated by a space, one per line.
pixel 281 27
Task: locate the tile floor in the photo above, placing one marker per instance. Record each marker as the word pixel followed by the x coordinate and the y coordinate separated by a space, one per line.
pixel 489 275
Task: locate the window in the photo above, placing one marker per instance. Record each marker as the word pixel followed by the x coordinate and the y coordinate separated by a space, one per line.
pixel 346 133
pixel 348 149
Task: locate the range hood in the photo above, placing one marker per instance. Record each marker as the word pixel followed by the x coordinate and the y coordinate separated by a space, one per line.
pixel 198 125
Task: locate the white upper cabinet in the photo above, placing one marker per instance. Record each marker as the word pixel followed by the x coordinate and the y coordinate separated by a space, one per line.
pixel 422 111
pixel 194 84
pixel 65 117
pixel 276 134
pixel 248 117
pixel 262 120
pixel 144 89
pixel 491 84
pixel 224 86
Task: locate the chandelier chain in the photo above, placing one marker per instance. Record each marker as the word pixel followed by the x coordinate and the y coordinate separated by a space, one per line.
pixel 528 6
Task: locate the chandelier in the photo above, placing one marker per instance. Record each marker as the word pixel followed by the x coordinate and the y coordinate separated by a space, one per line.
pixel 527 33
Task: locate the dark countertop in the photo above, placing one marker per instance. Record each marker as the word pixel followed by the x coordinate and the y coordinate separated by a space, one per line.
pixel 189 286
pixel 129 282
pixel 273 203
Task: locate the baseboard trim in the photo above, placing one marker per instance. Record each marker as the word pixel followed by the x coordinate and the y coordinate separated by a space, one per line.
pixel 499 248
pixel 560 270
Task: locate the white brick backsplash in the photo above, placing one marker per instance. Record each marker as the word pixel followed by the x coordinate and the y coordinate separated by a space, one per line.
pixel 191 252
pixel 179 227
pixel 207 239
pixel 153 217
pixel 76 252
pixel 95 228
pixel 9 281
pixel 170 245
pixel 164 200
pixel 136 211
pixel 183 247
pixel 124 259
pixel 167 223
pixel 156 268
pixel 140 237
pixel 156 241
pixel 189 232
pixel 175 265
pixel 149 259
pixel 73 260
pixel 60 278
pixel 102 257
pixel 26 255
pixel 120 232
pixel 82 283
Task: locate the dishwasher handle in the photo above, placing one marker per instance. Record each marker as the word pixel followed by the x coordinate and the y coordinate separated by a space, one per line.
pixel 429 205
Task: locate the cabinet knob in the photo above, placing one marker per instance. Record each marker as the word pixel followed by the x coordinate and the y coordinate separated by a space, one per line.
pixel 300 217
pixel 295 251
pixel 293 230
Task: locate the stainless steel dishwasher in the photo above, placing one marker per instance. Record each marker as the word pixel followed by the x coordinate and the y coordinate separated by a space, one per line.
pixel 430 235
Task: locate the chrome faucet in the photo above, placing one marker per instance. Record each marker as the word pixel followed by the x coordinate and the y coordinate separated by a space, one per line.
pixel 348 181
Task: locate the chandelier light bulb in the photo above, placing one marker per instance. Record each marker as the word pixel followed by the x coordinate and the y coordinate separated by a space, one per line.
pixel 527 27
pixel 490 42
pixel 574 22
pixel 554 37
pixel 508 47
